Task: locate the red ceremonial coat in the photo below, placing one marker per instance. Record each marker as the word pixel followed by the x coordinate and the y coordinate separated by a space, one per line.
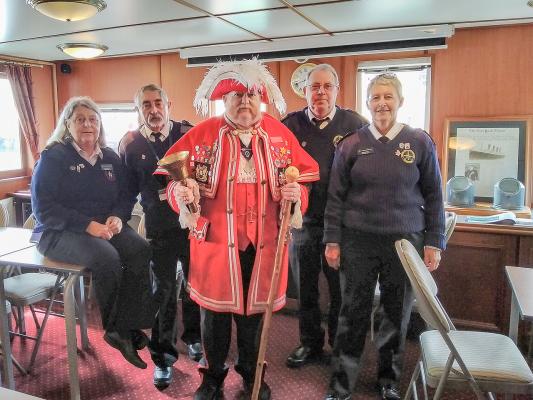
pixel 214 154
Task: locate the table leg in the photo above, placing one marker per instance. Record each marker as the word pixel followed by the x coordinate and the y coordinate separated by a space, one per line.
pixel 9 380
pixel 513 320
pixel 70 323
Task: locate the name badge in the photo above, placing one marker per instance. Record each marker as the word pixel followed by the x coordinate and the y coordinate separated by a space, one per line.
pixel 162 194
pixel 365 152
pixel 108 172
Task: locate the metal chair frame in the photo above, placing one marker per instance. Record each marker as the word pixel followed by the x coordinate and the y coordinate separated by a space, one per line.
pixel 432 311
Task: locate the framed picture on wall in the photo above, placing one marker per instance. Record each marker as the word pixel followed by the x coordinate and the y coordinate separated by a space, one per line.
pixel 486 150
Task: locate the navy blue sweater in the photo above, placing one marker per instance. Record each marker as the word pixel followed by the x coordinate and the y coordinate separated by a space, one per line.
pixel 139 158
pixel 68 192
pixel 391 188
pixel 320 144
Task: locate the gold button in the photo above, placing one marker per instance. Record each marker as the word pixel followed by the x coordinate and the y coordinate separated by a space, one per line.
pixel 263 182
pixel 231 245
pixel 230 211
pixel 262 245
pixel 230 179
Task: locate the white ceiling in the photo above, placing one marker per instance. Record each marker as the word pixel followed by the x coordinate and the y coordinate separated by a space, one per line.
pixel 146 26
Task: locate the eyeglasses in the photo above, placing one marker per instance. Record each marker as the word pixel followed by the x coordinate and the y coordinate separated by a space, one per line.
pixel 80 121
pixel 328 87
pixel 251 95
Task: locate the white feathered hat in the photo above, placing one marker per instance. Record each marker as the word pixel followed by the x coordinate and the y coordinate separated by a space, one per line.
pixel 241 76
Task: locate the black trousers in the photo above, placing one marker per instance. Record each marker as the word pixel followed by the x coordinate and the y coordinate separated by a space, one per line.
pixel 120 269
pixel 307 260
pixel 216 331
pixel 364 257
pixel 168 247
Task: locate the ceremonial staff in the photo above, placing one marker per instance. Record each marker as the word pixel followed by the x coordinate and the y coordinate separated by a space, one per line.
pixel 291 175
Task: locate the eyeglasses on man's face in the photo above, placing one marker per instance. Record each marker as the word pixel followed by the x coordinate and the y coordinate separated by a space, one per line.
pixel 327 87
pixel 250 95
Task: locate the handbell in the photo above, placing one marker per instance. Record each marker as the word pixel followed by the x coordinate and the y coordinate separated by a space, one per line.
pixel 176 165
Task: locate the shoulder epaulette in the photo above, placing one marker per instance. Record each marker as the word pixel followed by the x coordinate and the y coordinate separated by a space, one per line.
pixel 185 126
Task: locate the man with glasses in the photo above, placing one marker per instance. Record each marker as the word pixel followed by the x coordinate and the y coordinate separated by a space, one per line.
pixel 238 162
pixel 318 128
pixel 140 150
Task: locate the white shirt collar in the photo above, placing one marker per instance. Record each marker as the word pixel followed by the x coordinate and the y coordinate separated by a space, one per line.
pixel 310 114
pixel 391 134
pixel 147 132
pixel 90 158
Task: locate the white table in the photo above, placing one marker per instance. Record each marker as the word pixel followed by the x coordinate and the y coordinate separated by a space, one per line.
pixel 29 257
pixel 521 283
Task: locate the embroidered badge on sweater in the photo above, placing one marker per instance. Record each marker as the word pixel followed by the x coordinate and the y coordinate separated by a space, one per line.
pixel 407 155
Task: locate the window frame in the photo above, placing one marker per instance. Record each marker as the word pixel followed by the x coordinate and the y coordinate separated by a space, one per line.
pixel 118 107
pixel 22 171
pixel 393 65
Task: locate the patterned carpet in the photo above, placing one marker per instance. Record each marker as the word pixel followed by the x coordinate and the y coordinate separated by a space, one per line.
pixel 104 375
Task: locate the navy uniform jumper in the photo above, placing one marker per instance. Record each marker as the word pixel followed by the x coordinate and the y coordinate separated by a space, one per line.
pixel 67 194
pixel 168 240
pixel 306 249
pixel 379 193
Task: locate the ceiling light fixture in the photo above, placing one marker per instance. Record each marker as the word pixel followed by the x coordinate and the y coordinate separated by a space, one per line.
pixel 68 10
pixel 82 50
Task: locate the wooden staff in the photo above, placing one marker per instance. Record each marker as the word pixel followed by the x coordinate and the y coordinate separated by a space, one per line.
pixel 291 175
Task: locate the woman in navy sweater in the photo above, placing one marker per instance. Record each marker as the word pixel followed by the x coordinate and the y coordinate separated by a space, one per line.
pixel 385 185
pixel 79 203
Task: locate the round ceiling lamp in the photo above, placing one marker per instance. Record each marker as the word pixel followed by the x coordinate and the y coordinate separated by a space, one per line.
pixel 82 50
pixel 68 10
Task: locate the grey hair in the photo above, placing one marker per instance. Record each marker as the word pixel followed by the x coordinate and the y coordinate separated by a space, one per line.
pixel 323 67
pixel 387 78
pixel 151 87
pixel 61 134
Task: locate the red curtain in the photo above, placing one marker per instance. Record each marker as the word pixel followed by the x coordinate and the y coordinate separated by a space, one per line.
pixel 21 84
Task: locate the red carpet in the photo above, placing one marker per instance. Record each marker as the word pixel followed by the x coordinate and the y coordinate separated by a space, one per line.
pixel 104 375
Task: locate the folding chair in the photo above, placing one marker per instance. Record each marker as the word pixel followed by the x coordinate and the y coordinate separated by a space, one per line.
pixel 13 359
pixel 450 221
pixel 27 289
pixel 485 362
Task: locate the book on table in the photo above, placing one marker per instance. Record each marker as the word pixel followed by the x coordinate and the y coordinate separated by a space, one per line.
pixel 505 218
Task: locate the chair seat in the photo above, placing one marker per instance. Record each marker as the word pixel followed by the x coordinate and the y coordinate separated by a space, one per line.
pixel 29 288
pixel 488 356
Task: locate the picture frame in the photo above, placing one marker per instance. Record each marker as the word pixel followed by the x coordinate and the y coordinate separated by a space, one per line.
pixel 487 149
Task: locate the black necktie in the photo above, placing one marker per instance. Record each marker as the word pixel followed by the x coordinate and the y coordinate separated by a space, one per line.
pixel 321 123
pixel 384 139
pixel 158 144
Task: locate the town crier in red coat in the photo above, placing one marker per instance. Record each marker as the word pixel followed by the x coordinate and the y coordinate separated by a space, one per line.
pixel 237 162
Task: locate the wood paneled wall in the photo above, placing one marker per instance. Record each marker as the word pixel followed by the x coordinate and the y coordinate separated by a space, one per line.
pixel 483 72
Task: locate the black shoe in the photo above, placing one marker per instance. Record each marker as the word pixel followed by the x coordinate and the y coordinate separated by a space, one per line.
pixel 139 339
pixel 264 391
pixel 389 391
pixel 195 351
pixel 303 355
pixel 210 389
pixel 125 346
pixel 336 396
pixel 162 377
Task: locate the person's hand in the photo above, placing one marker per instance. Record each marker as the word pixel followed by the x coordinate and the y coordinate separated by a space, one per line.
pixel 431 258
pixel 99 230
pixel 114 224
pixel 184 193
pixel 291 192
pixel 333 255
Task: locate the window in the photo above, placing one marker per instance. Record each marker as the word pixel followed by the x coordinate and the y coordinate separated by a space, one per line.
pixel 118 119
pixel 217 107
pixel 10 137
pixel 415 75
